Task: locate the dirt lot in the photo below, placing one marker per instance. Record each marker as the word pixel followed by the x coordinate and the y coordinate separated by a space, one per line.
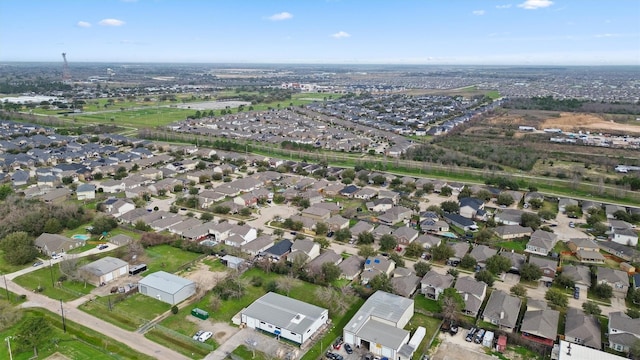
pixel 573 121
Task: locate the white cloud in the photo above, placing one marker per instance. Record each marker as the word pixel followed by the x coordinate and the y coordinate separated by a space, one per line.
pixel 83 24
pixel 111 22
pixel 535 4
pixel 280 16
pixel 607 35
pixel 340 35
pixel 505 6
pixel 478 12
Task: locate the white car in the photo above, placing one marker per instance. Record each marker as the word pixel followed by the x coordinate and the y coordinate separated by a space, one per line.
pixel 57 256
pixel 197 335
pixel 205 336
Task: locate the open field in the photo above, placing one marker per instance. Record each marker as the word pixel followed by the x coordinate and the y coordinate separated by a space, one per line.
pixel 129 313
pixel 167 258
pixel 468 92
pixel 47 279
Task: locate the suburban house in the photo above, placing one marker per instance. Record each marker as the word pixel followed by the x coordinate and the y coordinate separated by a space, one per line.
pixel 547 265
pixel 473 293
pixel 380 205
pixel 481 253
pixel 617 279
pixel 167 287
pixel 564 202
pixel 517 260
pixel 460 249
pixel 580 275
pixel 582 329
pixel 433 284
pixel 317 213
pixel 278 251
pixel 258 245
pixel 586 250
pixel 337 222
pixel 431 225
pixel 428 241
pixel 405 235
pixel 86 192
pixel 502 310
pixel 50 244
pixel 509 217
pixel 469 207
pixel 118 207
pixel 508 232
pixel 460 221
pixel 285 317
pixel 376 265
pixel 540 326
pixel 378 326
pixel 623 332
pixel 627 237
pixel 105 270
pixel 395 215
pixel 404 282
pixel 381 230
pixel 361 227
pixel 351 267
pixel 541 242
pixel 305 249
pixel 328 256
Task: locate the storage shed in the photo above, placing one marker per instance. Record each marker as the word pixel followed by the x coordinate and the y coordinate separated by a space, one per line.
pixel 232 262
pixel 167 287
pixel 104 270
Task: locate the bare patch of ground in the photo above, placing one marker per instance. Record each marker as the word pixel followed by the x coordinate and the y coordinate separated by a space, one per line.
pixel 201 274
pixel 574 121
pixel 57 356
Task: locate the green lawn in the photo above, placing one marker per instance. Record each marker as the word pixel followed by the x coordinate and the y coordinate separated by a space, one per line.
pixel 143 118
pixel 215 265
pixel 6 268
pixel 182 344
pixel 78 343
pixel 128 314
pixel 244 353
pixel 430 324
pixel 422 302
pixel 518 245
pixel 167 258
pixel 46 277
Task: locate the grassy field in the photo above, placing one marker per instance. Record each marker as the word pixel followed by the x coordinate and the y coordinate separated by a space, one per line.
pixel 128 314
pixel 421 302
pixel 143 118
pixel 46 276
pixel 182 344
pixel 518 245
pixel 244 353
pixel 430 324
pixel 167 258
pixel 78 343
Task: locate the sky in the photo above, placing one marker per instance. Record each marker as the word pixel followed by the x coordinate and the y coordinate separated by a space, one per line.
pixel 438 32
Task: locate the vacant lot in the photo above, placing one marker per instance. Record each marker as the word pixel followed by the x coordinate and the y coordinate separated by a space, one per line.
pixel 129 313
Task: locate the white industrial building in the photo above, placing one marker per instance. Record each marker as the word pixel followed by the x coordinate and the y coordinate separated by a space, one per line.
pixel 379 324
pixel 167 287
pixel 104 270
pixel 285 317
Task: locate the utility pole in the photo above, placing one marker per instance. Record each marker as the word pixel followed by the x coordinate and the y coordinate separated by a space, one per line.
pixel 8 340
pixel 64 325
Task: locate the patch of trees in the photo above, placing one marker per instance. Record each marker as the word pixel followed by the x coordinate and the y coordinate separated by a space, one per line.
pixel 153 239
pixel 430 153
pixel 502 183
pixel 18 248
pixel 292 145
pixel 493 153
pixel 629 180
pixel 37 86
pixel 571 105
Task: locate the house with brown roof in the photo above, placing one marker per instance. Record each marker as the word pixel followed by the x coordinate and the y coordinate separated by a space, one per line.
pixel 541 326
pixel 351 267
pixel 508 232
pixel 473 293
pixel 51 244
pixel 617 279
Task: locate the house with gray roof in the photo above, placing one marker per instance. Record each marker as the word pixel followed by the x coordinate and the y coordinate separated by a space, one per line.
pixel 378 326
pixel 502 310
pixel 376 265
pixel 404 284
pixel 51 244
pixel 260 244
pixel 627 237
pixel 623 331
pixel 541 326
pixel 481 253
pixel 86 191
pixel 285 317
pixel 361 227
pixel 548 266
pixel 507 232
pixel 580 274
pixel 351 267
pixel 582 329
pixel 541 242
pixel 381 230
pixel 428 241
pixel 509 217
pixel 460 249
pixel 405 235
pixel 617 279
pixel 167 287
pixel 279 250
pixel 517 260
pixel 434 283
pixel 306 249
pixel 105 270
pixel 473 293
pixel 328 256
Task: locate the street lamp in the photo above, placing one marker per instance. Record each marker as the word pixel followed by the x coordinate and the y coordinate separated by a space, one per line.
pixel 8 340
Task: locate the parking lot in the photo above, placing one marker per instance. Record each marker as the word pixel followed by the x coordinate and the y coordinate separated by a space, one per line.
pixel 454 347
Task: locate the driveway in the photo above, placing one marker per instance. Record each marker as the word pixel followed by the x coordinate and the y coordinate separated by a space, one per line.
pixel 249 338
pixel 456 348
pixel 268 213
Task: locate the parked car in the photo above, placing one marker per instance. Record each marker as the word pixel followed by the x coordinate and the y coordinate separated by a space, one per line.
pixel 479 336
pixel 37 263
pixel 338 343
pixel 367 357
pixel 197 335
pixel 572 224
pixel 576 293
pixel 470 334
pixel 453 329
pixel 57 256
pixel 330 234
pixel 348 348
pixel 205 336
pixel 102 246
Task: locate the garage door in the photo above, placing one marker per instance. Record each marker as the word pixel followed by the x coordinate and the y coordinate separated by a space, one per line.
pixel 108 277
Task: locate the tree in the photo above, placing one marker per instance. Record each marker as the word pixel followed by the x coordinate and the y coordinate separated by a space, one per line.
pixel 103 224
pixel 536 203
pixel 421 268
pixel 366 251
pixel 530 220
pixel 451 303
pixel 591 308
pixel 498 264
pixel 441 252
pixel 634 296
pixel 451 207
pixel 505 199
pixel 414 249
pixel 464 193
pixel 468 262
pixel 387 242
pixel 52 226
pixel 519 290
pixel 324 243
pixel 67 180
pixel 330 272
pixel 5 191
pixel 206 216
pixel 321 228
pixel 245 211
pixel 557 297
pixel 381 282
pixel 18 248
pixel 446 191
pixel 32 332
pixel 484 195
pixel 530 272
pixel 365 238
pixel 485 276
pixel 343 235
pixel 453 272
pixel 564 281
pixel 483 236
pixel 396 258
pixel 285 284
pixel 9 314
pixel 603 291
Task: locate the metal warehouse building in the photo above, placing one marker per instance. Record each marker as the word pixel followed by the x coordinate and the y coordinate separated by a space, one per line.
pixel 104 270
pixel 167 287
pixel 291 319
pixel 378 325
